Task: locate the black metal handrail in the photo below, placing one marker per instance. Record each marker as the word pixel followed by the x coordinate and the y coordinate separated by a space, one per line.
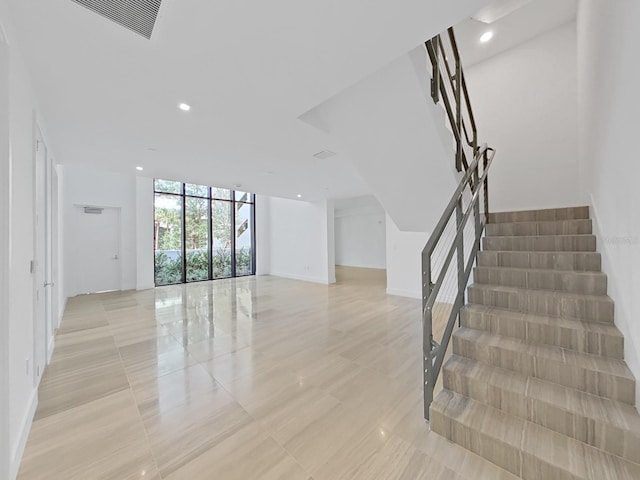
pixel 456 81
pixel 474 185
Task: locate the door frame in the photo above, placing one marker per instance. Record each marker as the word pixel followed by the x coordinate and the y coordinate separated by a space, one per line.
pixel 5 245
pixel 118 211
pixel 40 264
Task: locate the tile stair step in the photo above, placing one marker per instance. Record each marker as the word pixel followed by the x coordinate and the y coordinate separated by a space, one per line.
pixel 544 215
pixel 524 448
pixel 590 308
pixel 570 334
pixel 541 243
pixel 574 261
pixel 558 227
pixel 602 423
pixel 603 376
pixel 588 283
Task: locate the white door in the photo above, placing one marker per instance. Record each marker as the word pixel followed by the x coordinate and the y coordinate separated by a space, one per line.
pixel 55 257
pixel 40 321
pixel 97 253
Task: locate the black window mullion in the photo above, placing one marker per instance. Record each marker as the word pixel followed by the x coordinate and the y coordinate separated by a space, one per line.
pixel 184 234
pixel 210 242
pixel 252 207
pixel 233 233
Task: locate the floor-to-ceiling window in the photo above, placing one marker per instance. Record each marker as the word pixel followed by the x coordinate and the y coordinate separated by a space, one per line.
pixel 202 233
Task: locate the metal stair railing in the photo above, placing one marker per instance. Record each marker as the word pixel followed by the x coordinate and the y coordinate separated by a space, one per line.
pixel 452 249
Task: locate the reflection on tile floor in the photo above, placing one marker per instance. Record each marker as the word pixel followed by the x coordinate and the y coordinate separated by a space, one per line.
pixel 249 378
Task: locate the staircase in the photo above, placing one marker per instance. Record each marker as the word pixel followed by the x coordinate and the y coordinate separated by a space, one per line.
pixel 537 383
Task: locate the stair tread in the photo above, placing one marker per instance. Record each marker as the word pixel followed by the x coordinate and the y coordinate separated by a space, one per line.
pixel 549 260
pixel 507 289
pixel 536 243
pixel 555 450
pixel 580 273
pixel 546 235
pixel 621 415
pixel 573 323
pixel 548 222
pixel 550 214
pixel 608 365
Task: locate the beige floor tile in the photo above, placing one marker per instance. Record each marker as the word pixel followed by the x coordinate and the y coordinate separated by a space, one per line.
pixel 254 378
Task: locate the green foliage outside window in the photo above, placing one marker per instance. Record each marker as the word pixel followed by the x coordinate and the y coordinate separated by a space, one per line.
pixel 169 235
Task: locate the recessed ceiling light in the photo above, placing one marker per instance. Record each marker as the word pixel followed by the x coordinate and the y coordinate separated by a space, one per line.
pixel 486 36
pixel 299 196
pixel 139 169
pixel 185 107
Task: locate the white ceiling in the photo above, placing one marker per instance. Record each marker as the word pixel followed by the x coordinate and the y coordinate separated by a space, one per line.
pixel 249 68
pixel 530 20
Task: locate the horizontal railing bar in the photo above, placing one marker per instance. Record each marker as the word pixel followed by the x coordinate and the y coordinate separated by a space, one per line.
pixel 440 352
pixel 444 219
pixel 443 272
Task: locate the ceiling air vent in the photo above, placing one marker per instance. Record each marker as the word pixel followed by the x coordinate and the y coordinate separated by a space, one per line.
pixel 93 210
pixel 324 154
pixel 136 15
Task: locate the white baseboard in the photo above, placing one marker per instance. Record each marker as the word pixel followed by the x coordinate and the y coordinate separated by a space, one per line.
pixel 51 347
pixel 18 450
pixel 302 278
pixel 398 292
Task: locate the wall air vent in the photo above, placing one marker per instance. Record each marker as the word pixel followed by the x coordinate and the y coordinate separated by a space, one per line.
pixel 323 155
pixel 93 210
pixel 136 15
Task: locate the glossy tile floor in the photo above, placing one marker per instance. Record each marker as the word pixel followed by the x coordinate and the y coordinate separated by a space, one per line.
pixel 252 378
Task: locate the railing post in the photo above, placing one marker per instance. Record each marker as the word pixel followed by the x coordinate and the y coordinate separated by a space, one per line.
pixel 435 64
pixel 458 95
pixel 485 159
pixel 476 207
pixel 427 333
pixel 460 248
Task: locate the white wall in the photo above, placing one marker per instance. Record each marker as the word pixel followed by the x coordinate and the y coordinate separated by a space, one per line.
pixel 62 297
pixel 404 260
pixel 145 261
pixel 133 196
pixel 18 119
pixel 5 239
pixel 85 186
pixel 300 239
pixel 525 104
pixel 263 264
pixel 396 138
pixel 608 37
pixel 360 233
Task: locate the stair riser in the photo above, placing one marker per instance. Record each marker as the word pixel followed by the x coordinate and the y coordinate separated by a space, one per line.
pixel 578 377
pixel 504 454
pixel 517 325
pixel 590 309
pixel 551 243
pixel 550 215
pixel 542 260
pixel 594 284
pixel 510 398
pixel 567 227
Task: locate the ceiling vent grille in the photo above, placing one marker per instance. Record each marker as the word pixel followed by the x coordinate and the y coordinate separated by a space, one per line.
pixel 323 155
pixel 136 15
pixel 93 210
